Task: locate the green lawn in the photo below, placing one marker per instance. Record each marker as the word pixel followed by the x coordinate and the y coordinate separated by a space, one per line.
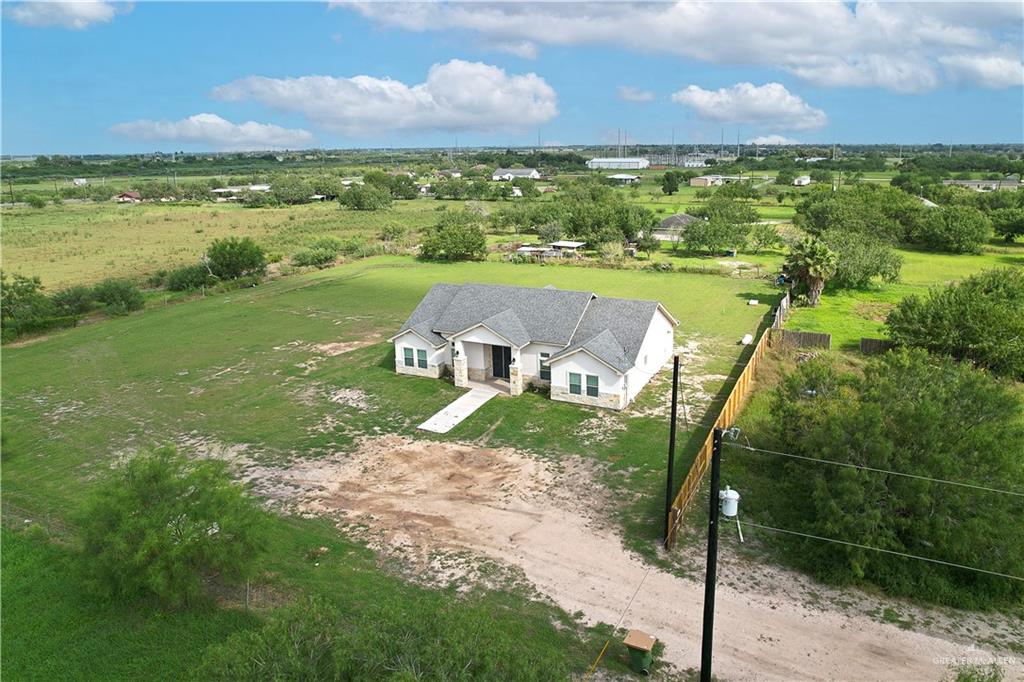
pixel 852 314
pixel 227 369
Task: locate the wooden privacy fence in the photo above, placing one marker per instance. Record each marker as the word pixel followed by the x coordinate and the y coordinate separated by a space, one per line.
pixel 873 346
pixel 725 418
pixel 791 339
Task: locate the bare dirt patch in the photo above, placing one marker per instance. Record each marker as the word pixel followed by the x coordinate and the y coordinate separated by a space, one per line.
pixel 438 507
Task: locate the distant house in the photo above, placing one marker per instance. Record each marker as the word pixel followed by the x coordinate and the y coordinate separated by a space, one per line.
pixel 509 174
pixel 233 193
pixel 676 222
pixel 802 180
pixel 583 348
pixel 985 185
pixel 128 198
pixel 624 178
pixel 624 163
pixel 707 181
pixel 566 247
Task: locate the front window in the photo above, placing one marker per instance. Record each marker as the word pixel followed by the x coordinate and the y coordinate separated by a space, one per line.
pixel 575 385
pixel 592 386
pixel 421 358
pixel 409 361
pixel 545 368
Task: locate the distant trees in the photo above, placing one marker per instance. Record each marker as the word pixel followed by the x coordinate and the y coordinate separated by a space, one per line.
pixel 763 236
pixel 955 229
pixel 785 176
pixel 861 258
pixel 1008 223
pixel 811 264
pixel 670 182
pixel 980 320
pixel 160 524
pixel 909 413
pixel 366 197
pixel 457 235
pixel 235 257
pixel 714 235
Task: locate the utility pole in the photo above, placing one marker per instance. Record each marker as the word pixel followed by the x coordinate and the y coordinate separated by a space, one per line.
pixel 712 570
pixel 671 445
pixel 10 186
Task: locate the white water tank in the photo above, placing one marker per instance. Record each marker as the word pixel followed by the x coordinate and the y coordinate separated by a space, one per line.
pixel 730 502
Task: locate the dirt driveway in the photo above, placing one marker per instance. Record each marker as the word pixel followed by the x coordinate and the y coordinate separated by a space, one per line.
pixel 416 497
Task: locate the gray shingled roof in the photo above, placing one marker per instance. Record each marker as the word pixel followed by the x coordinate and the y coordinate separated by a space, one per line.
pixel 676 221
pixel 546 315
pixel 611 329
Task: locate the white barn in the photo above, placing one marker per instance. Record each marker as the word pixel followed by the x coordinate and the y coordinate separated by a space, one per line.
pixel 624 163
pixel 582 347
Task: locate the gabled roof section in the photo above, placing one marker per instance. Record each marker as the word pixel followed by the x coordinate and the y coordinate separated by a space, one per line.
pixel 507 325
pixel 423 318
pixel 613 330
pixel 545 315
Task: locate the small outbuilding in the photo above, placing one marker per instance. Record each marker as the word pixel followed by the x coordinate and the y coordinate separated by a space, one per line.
pixel 624 163
pixel 624 178
pixel 801 180
pixel 707 181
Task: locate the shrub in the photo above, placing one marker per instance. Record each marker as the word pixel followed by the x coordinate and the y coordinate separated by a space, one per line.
pixel 76 300
pixel 456 236
pixel 980 320
pixel 317 257
pixel 161 523
pixel 233 257
pixel 188 277
pixel 418 636
pixel 120 296
pixel 763 236
pixel 914 414
pixel 24 308
pixel 365 198
pixel 1008 223
pixel 392 232
pixel 35 201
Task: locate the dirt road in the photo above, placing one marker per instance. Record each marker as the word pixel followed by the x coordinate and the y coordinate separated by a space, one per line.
pixel 423 496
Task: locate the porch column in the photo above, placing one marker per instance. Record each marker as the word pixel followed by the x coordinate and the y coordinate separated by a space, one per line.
pixel 515 375
pixel 460 366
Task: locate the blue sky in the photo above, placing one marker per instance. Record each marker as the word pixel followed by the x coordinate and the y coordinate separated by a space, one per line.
pixel 95 77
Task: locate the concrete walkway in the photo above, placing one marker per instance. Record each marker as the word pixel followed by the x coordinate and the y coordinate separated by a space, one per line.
pixel 465 405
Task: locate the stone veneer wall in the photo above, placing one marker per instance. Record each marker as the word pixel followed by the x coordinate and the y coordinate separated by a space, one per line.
pixel 615 401
pixel 433 372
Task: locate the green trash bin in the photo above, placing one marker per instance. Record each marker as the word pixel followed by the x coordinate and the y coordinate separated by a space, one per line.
pixel 640 646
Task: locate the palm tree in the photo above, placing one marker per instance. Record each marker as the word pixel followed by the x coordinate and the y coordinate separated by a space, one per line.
pixel 811 263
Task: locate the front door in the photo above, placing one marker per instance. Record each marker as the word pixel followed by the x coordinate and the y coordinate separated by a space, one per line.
pixel 501 358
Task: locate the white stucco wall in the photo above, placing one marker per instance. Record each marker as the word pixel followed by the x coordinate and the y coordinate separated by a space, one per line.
pixel 655 351
pixel 437 358
pixel 530 357
pixel 584 364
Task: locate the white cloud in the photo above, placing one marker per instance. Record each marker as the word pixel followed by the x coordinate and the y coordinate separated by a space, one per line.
pixel 899 46
pixel 212 130
pixel 770 105
pixel 988 71
pixel 458 95
pixel 629 93
pixel 772 140
pixel 519 48
pixel 76 14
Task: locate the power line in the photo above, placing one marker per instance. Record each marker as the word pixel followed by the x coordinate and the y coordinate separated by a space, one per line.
pixel 875 469
pixel 886 551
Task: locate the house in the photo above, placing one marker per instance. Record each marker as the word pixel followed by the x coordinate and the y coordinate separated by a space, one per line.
pixel 566 247
pixel 624 178
pixel 623 163
pixel 801 180
pixel 581 347
pixel 985 185
pixel 707 181
pixel 128 198
pixel 508 174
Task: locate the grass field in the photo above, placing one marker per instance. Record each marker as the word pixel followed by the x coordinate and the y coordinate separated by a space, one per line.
pixel 246 373
pixel 850 315
pixel 84 243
